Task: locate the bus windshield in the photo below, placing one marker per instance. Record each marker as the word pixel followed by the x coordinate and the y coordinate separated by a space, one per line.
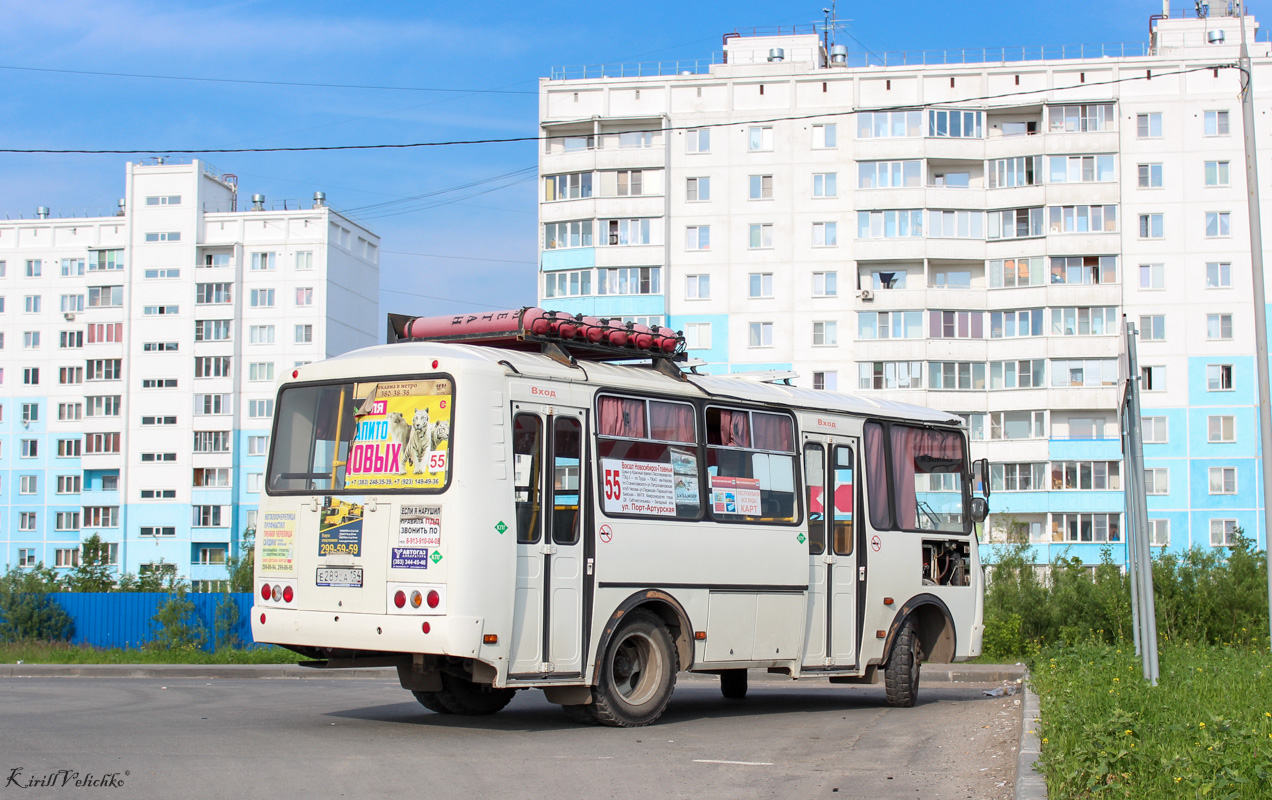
pixel 362 436
pixel 927 477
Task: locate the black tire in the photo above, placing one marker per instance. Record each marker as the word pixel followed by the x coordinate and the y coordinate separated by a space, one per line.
pixel 637 674
pixel 733 684
pixel 901 680
pixel 470 699
pixel 584 715
pixel 432 701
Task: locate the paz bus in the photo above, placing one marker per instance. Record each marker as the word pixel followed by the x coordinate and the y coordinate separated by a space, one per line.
pixel 532 500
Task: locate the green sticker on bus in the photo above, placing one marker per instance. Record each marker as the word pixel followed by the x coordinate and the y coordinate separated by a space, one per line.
pixel 436 556
pixel 501 527
pixel 801 538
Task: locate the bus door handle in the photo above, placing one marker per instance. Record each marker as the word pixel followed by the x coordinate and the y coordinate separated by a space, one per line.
pixel 861 573
pixel 828 558
pixel 590 563
pixel 547 549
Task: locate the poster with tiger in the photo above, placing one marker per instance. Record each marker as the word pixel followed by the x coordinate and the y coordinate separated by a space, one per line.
pixel 401 436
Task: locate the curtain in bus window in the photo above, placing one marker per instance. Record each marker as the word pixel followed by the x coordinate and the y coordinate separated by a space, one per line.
pixel 773 432
pixel 926 478
pixel 526 449
pixel 728 428
pixel 622 417
pixel 670 422
pixel 877 477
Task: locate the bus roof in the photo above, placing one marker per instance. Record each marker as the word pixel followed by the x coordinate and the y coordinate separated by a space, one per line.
pixel 405 356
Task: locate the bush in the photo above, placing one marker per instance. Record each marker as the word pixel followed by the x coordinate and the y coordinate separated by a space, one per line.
pixel 177 626
pixel 27 612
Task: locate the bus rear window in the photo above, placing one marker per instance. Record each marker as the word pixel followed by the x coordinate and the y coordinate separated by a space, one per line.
pixel 362 437
pixel 751 466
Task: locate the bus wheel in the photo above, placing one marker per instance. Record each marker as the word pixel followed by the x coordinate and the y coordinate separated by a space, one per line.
pixel 432 701
pixel 902 676
pixel 584 715
pixel 470 699
pixel 637 674
pixel 733 684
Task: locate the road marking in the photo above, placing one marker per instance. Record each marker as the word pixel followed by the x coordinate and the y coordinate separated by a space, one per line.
pixel 736 763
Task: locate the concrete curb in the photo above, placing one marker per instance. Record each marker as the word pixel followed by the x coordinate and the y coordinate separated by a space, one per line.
pixel 934 673
pixel 1030 785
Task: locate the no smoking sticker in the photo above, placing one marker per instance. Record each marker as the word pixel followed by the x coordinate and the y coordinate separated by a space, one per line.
pixel 606 533
pixel 875 543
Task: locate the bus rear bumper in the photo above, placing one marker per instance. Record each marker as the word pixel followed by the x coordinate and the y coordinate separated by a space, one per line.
pixel 447 635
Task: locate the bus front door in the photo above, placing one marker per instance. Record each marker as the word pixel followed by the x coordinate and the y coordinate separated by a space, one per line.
pixel 831 633
pixel 547 630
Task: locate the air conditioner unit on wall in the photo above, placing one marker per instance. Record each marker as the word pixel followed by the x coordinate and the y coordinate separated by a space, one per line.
pixel 867 294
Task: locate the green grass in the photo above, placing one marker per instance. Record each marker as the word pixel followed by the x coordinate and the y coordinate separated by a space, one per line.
pixel 1204 732
pixel 56 653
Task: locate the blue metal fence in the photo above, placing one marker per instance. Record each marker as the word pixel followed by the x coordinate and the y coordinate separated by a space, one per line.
pixel 127 619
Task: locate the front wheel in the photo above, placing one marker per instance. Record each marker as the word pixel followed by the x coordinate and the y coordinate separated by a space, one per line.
pixel 432 701
pixel 638 673
pixel 470 699
pixel 901 681
pixel 733 684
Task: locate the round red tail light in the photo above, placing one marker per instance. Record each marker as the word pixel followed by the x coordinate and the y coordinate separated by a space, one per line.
pixel 426 627
pixel 262 617
pixel 278 592
pixel 288 594
pixel 399 598
pixel 265 592
pixel 433 598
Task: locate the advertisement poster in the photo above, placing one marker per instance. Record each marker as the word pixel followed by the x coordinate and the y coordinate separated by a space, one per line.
pixel 639 487
pixel 410 558
pixel 735 496
pixel 402 436
pixel 278 541
pixel 340 528
pixel 420 526
pixel 685 465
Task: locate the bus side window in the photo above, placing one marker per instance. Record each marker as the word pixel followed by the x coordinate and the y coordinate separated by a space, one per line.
pixel 567 448
pixel 877 478
pixel 526 455
pixel 815 477
pixel 840 504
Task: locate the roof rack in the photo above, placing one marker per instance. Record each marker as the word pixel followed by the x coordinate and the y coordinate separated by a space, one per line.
pixel 555 333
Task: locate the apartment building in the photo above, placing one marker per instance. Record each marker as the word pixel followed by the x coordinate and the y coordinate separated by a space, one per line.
pixel 963 230
pixel 140 353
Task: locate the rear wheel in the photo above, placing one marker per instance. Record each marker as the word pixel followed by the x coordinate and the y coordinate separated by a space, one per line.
pixel 585 715
pixel 901 681
pixel 733 684
pixel 432 701
pixel 638 673
pixel 470 699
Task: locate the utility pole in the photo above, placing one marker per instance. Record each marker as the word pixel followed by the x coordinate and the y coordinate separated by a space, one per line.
pixel 1260 299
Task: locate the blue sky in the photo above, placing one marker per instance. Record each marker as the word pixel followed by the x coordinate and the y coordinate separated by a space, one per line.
pixel 473 251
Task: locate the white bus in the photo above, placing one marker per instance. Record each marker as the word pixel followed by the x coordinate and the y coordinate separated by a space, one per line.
pixel 509 510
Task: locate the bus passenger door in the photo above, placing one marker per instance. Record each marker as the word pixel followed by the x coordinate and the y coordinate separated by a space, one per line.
pixel 547 632
pixel 831 624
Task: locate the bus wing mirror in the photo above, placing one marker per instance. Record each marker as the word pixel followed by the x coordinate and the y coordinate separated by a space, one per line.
pixel 981 468
pixel 980 509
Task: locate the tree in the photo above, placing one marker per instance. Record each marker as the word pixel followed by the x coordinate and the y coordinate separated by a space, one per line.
pixel 242 567
pixel 27 611
pixel 178 627
pixel 94 573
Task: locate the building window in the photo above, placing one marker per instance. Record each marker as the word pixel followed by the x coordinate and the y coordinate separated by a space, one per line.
pixel 1153 379
pixel 211 404
pixel 158 494
pixel 1086 528
pixel 262 262
pixel 560 235
pixel 33 302
pixel 1020 171
pixel 825 184
pixel 261 298
pixel 698 237
pixel 304 334
pixel 211 441
pixel 30 413
pixel 261 334
pixel 890 325
pixel 304 296
pixel 886 174
pixel 150 531
pixel 1084 372
pixel 761 236
pixel 1081 321
pixel 151 311
pixel 69 411
pixel 33 267
pixel 101 443
pixel 760 284
pixel 1218 377
pixel 956 375
pixel 305 260
pixel 101 516
pixel 72 267
pixel 761 187
pixel 162 273
pixel 824 136
pixel 890 224
pixel 212 330
pixel 760 334
pixel 27 484
pixel 826 381
pixel 31 376
pixel 698 335
pixel 212 478
pixel 1153 328
pixel 164 200
pixel 211 556
pixel 1018 477
pixel 629 280
pixel 825 334
pixel 206 516
pixel 1014 223
pixel 1081 118
pixel 697 190
pixel 1217 224
pixel 1221 429
pixel 697 287
pixel 698 140
pixel 1013 272
pixel 825 234
pixel 1218 275
pixel 159 347
pixel 27 521
pixel 825 284
pixel 1216 123
pixel 67 521
pixel 1223 532
pixel 260 409
pixel 569 283
pixel 1150 176
pixel 890 375
pixel 1148 126
pixel 158 420
pixel 1159 533
pixel 956 324
pixel 165 236
pixel 955 124
pixel 1085 476
pixel 567 187
pixel 1083 219
pixel 1156 480
pixel 31 340
pixel 889 124
pixel 1223 480
pixel 623 232
pixel 1082 169
pixel 760 137
pixel 68 448
pixel 257 445
pixel 1217 173
pixel 1218 326
pixel 157 458
pixel 1151 227
pixel 1152 276
pixel 1027 374
pixel 956 224
pixel 1155 430
pixel 105 296
pixel 1012 324
pixel 212 367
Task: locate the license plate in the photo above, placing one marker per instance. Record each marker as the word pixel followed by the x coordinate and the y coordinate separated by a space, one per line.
pixel 340 576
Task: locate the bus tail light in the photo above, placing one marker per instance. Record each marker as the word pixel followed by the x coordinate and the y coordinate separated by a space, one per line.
pixel 426 627
pixel 433 598
pixel 262 617
pixel 265 592
pixel 277 593
pixel 288 594
pixel 399 598
pixel 416 599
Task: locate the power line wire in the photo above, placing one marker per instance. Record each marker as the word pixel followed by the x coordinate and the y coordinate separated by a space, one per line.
pixel 445 299
pixel 460 258
pixel 695 126
pixel 198 79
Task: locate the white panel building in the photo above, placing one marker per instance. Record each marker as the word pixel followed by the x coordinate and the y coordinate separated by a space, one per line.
pixel 139 356
pixel 962 235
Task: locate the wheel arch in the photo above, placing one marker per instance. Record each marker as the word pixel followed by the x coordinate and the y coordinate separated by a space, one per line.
pixel 933 626
pixel 666 608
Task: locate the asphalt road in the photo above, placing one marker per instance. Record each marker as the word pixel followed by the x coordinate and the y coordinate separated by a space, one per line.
pixel 176 738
